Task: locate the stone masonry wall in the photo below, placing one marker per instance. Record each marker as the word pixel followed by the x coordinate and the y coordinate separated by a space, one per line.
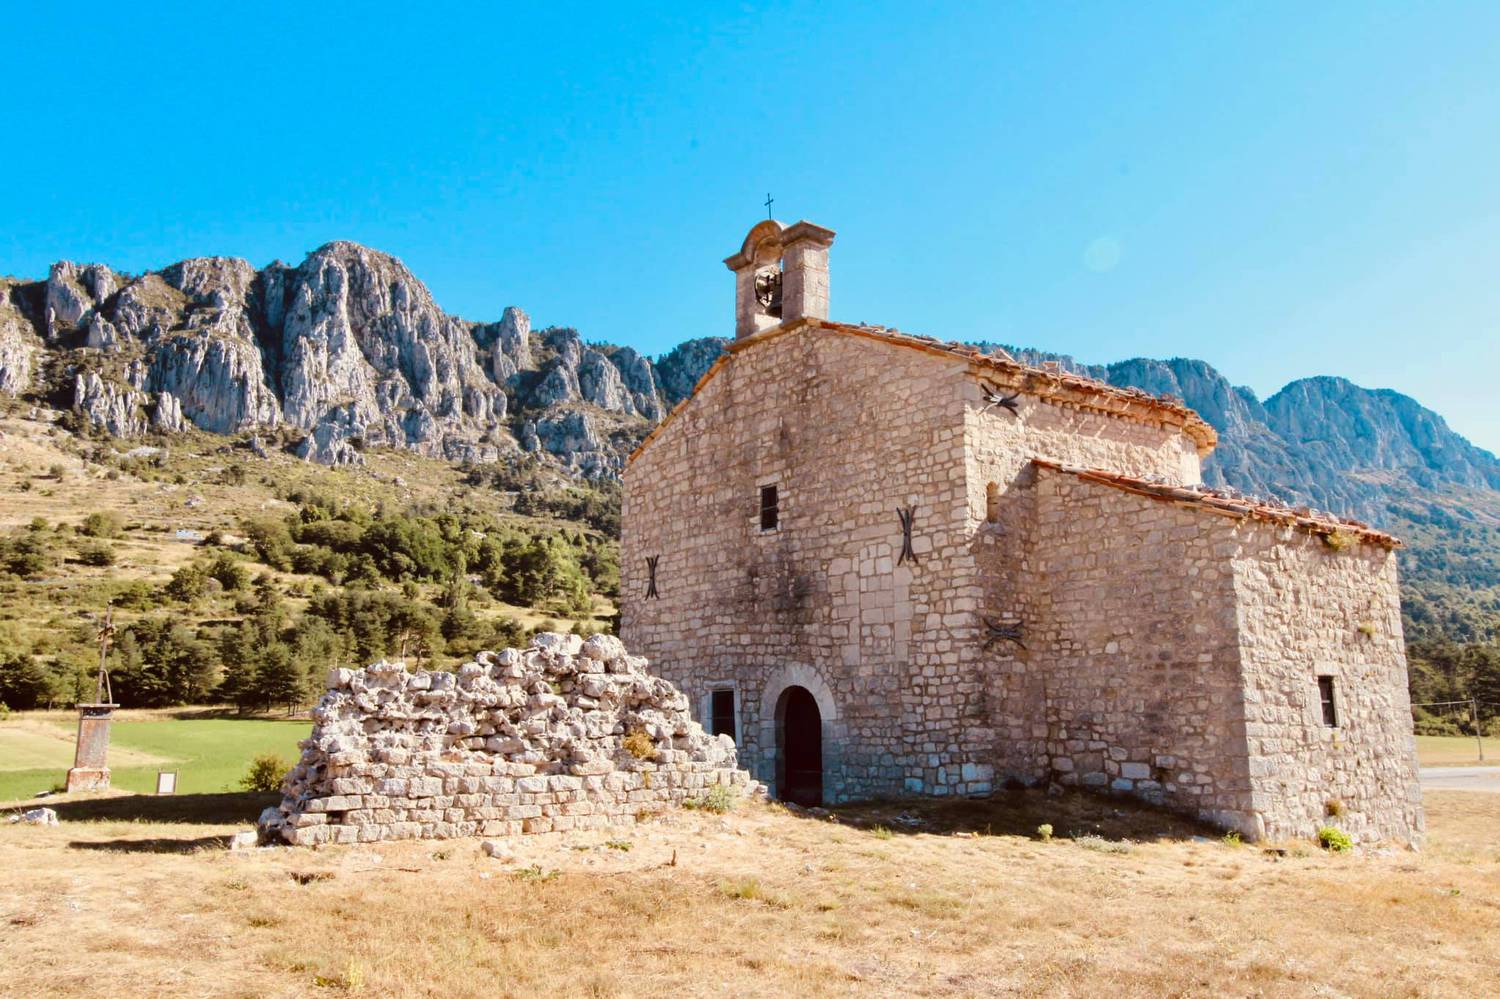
pixel 1136 649
pixel 1309 610
pixel 851 429
pixel 514 742
pixel 1000 519
pixel 1179 651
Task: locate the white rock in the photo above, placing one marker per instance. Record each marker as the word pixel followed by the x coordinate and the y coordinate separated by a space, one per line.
pixel 603 648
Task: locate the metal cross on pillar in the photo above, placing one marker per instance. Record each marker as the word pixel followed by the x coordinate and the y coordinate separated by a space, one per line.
pixel 769 199
pixel 90 770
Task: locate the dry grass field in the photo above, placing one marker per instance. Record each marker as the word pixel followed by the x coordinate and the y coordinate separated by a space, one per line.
pixel 1456 751
pixel 135 896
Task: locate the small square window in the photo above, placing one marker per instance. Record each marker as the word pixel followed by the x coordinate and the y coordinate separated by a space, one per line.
pixel 721 713
pixel 770 509
pixel 1330 707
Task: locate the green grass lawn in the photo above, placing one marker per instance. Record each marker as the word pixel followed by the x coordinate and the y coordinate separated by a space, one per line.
pixel 209 754
pixel 1456 751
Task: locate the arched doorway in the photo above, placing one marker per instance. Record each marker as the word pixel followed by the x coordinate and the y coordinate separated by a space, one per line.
pixel 799 747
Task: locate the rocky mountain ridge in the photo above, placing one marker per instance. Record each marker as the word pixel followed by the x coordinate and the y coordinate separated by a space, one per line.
pixel 1322 441
pixel 348 350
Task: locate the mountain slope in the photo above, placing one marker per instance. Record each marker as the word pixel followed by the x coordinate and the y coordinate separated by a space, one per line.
pixel 346 351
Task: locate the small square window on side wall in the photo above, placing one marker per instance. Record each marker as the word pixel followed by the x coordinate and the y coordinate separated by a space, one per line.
pixel 1328 701
pixel 770 508
pixel 721 713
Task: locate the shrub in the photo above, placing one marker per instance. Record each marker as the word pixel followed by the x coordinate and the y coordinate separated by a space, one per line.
pixel 640 745
pixel 534 873
pixel 720 798
pixel 1044 831
pixel 187 584
pixel 748 889
pixel 96 553
pixel 265 773
pixel 1098 843
pixel 26 556
pixel 228 571
pixel 4 711
pixel 1335 839
pixel 102 524
pixel 1333 808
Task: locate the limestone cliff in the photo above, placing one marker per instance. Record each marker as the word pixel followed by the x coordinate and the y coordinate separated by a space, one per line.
pixel 1323 442
pixel 349 350
pixel 345 351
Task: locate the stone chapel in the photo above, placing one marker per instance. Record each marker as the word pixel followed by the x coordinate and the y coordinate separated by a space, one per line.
pixel 886 564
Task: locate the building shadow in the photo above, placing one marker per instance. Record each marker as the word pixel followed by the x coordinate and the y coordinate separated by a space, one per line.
pixel 236 808
pixel 1019 812
pixel 165 844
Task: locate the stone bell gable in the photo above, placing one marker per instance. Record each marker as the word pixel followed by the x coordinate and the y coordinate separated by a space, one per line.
pixel 851 549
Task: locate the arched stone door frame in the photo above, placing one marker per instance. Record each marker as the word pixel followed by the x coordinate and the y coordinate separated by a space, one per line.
pixel 832 720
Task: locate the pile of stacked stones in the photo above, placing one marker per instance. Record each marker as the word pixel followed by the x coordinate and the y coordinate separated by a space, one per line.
pixel 566 734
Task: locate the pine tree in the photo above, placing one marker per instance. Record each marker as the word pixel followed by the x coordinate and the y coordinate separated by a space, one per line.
pixel 280 680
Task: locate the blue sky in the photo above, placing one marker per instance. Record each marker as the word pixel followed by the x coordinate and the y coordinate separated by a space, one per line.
pixel 1282 189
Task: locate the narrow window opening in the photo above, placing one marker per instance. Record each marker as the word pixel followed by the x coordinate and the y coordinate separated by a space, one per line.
pixel 721 713
pixel 992 502
pixel 1330 708
pixel 770 509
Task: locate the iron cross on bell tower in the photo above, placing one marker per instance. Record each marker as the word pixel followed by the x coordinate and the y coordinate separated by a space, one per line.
pixel 769 199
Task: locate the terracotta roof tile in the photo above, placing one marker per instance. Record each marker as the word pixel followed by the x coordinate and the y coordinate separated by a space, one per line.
pixel 1048 381
pixel 1228 504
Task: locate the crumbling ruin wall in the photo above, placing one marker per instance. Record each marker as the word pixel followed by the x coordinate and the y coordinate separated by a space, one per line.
pixel 564 735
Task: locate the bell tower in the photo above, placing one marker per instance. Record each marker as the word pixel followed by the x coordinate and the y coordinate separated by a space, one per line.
pixel 780 276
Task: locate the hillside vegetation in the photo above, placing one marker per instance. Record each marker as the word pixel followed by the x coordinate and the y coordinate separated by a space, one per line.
pixel 241 578
pixel 508 516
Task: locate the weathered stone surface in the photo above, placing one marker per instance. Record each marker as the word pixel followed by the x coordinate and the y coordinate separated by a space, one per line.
pixel 19 343
pixel 559 384
pixel 1042 627
pixel 599 382
pixel 509 344
pixel 678 371
pixel 572 436
pixel 640 380
pixel 516 741
pixel 167 417
pixel 73 292
pixel 363 336
pixel 37 817
pixel 115 408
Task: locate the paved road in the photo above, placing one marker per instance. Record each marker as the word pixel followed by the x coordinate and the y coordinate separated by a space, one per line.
pixel 1461 778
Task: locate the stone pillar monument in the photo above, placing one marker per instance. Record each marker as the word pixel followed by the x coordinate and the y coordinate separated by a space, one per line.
pixel 90 760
